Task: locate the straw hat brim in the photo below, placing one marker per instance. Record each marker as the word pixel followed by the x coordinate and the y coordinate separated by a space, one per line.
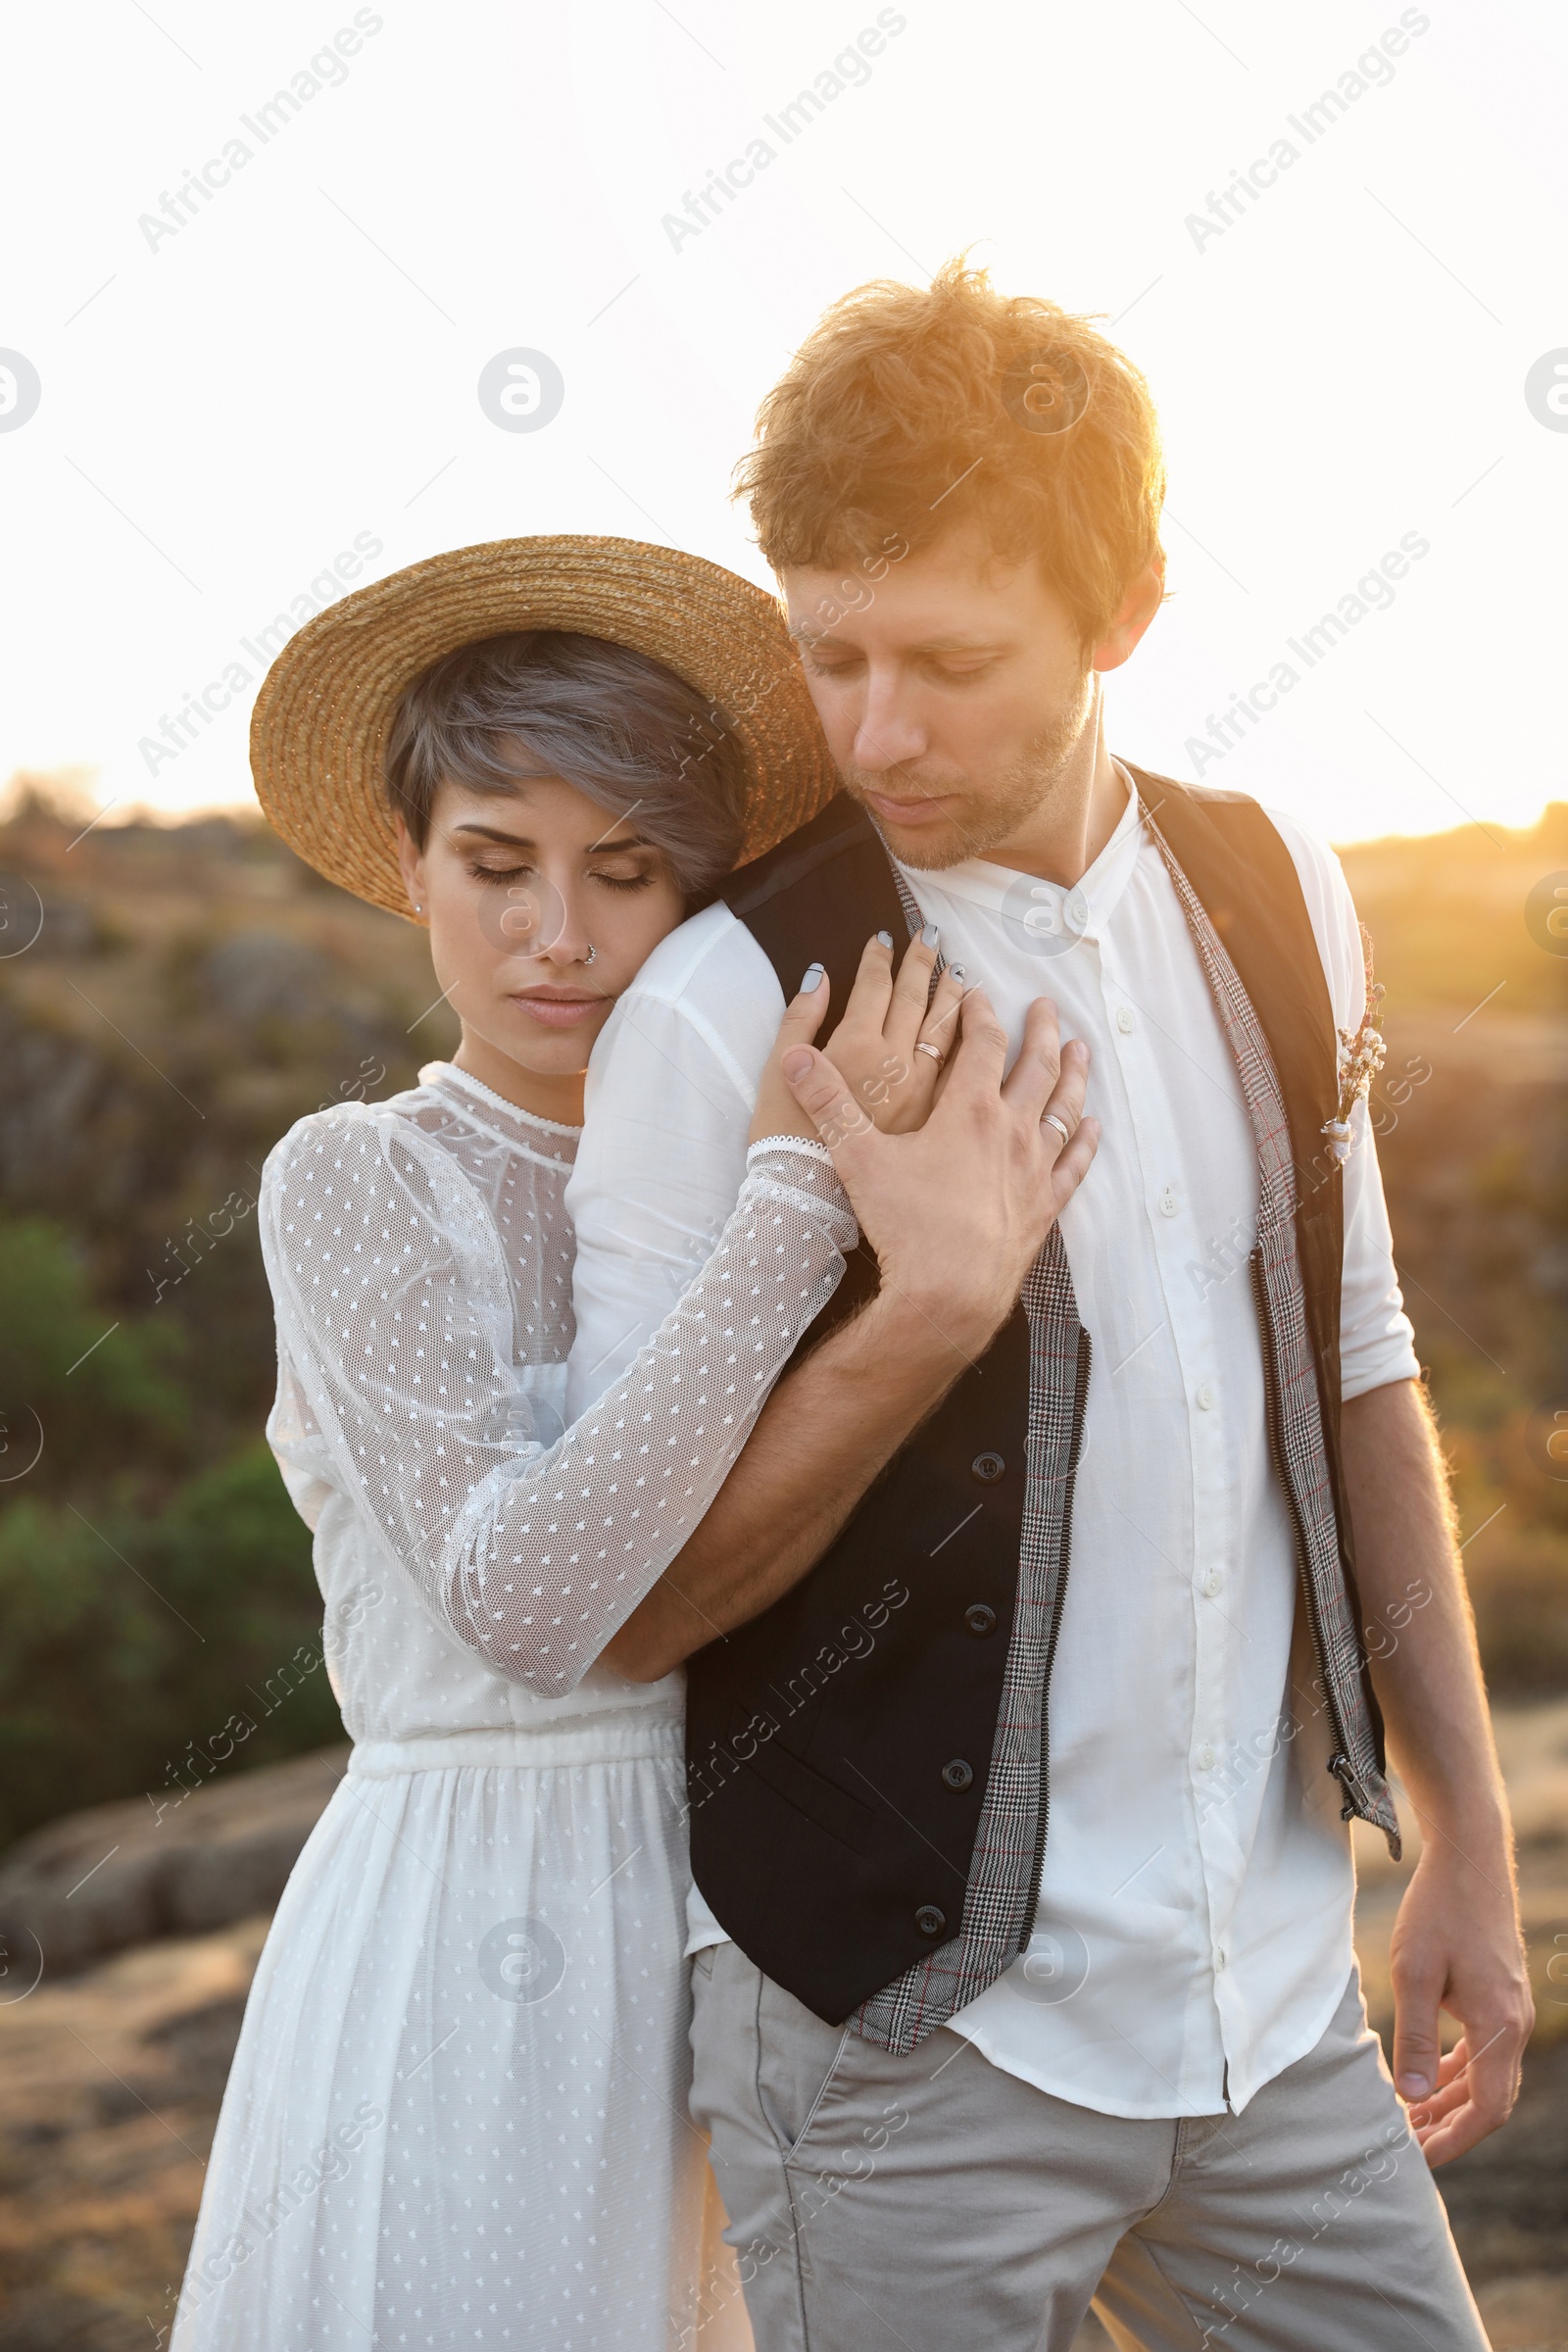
pixel 320 729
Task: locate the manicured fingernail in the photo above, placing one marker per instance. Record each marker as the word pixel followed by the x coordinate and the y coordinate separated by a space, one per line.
pixel 797 1061
pixel 813 981
pixel 957 970
pixel 930 936
pixel 886 938
pixel 1414 2087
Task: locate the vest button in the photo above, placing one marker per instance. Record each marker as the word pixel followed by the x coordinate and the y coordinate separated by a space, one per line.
pixel 957 1774
pixel 988 1468
pixel 929 1920
pixel 980 1617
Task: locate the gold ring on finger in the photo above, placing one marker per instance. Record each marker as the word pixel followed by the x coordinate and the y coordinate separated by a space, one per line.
pixel 1049 1118
pixel 923 1046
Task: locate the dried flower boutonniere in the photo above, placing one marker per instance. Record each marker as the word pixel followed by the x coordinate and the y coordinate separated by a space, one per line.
pixel 1363 1052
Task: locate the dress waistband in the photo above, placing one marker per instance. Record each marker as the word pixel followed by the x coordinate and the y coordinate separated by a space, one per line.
pixel 523 1747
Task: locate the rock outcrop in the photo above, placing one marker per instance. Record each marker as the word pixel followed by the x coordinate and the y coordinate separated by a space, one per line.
pixel 124 1874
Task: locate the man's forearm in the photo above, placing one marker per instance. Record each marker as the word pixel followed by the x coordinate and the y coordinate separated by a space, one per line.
pixel 1417 1621
pixel 823 1438
pixel 1456 1945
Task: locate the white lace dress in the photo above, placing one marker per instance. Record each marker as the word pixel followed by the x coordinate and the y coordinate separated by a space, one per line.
pixel 457 2116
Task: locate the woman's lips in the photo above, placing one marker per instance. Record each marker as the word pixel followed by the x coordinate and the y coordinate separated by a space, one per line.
pixel 558 1013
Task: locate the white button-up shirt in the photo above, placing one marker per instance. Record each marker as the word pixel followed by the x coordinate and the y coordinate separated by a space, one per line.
pixel 1193 1930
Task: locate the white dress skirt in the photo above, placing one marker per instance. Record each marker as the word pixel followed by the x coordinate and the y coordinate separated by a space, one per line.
pixel 456 2115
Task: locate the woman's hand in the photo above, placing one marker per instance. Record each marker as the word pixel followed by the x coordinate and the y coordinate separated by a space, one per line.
pixel 777 1112
pixel 958 1212
pixel 888 1048
pixel 897 1033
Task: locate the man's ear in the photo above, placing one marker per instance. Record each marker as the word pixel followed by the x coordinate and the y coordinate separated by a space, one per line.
pixel 411 860
pixel 1139 607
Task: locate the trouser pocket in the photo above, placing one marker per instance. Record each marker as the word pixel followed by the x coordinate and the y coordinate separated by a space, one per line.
pixel 797 2058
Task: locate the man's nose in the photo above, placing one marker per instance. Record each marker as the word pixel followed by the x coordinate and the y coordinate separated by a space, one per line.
pixel 889 733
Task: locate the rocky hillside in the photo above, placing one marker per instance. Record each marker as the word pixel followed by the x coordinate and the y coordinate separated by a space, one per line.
pixel 171 1001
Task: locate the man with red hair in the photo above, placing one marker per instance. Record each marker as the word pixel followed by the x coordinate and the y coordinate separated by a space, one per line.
pixel 1023 1969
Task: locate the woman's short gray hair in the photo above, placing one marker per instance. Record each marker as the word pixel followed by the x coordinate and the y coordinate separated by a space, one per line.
pixel 613 722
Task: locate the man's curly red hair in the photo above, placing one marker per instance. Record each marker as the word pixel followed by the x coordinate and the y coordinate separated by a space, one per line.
pixel 905 414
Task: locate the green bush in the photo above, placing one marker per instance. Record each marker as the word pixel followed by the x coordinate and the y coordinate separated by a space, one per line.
pixel 100 1388
pixel 139 1605
pixel 132 1637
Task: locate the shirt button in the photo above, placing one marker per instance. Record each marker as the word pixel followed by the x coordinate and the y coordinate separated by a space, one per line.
pixel 1213 1583
pixel 929 1920
pixel 1168 1202
pixel 1205 1399
pixel 957 1774
pixel 1125 1020
pixel 1206 1759
pixel 988 1468
pixel 1219 1960
pixel 980 1618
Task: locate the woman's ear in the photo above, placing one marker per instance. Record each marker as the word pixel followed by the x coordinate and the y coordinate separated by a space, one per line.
pixel 411 861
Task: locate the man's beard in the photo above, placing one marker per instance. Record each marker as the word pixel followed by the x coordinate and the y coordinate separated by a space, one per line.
pixel 976 822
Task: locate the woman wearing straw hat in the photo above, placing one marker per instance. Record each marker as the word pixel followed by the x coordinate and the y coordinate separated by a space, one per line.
pixel 457 2113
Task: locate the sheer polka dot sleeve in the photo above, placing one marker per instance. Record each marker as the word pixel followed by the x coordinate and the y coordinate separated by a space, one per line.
pixel 395 1332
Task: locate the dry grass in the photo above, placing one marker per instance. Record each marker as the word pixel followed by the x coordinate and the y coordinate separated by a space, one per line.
pixel 111 2084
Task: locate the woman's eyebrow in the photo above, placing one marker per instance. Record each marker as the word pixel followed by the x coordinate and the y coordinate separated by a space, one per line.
pixel 609 839
pixel 514 841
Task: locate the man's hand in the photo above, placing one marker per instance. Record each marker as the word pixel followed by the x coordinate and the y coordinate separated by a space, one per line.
pixel 1457 1947
pixel 898 1032
pixel 958 1212
pixel 888 1048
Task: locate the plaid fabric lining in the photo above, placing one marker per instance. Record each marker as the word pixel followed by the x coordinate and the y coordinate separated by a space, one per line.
pixel 1303 1456
pixel 999 1904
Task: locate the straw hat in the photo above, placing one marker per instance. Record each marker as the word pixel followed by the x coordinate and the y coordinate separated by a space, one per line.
pixel 321 720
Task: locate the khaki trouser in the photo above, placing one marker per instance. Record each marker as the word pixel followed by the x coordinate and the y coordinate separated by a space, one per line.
pixel 935 2202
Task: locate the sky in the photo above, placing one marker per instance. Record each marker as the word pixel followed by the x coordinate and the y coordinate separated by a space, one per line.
pixel 216 408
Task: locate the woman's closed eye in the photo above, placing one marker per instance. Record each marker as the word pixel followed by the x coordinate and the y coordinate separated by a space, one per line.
pixel 612 877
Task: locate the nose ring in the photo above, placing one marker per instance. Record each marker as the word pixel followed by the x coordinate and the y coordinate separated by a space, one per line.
pixel 592 956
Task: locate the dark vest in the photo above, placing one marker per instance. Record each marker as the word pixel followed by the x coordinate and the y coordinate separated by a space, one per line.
pixel 827 1741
